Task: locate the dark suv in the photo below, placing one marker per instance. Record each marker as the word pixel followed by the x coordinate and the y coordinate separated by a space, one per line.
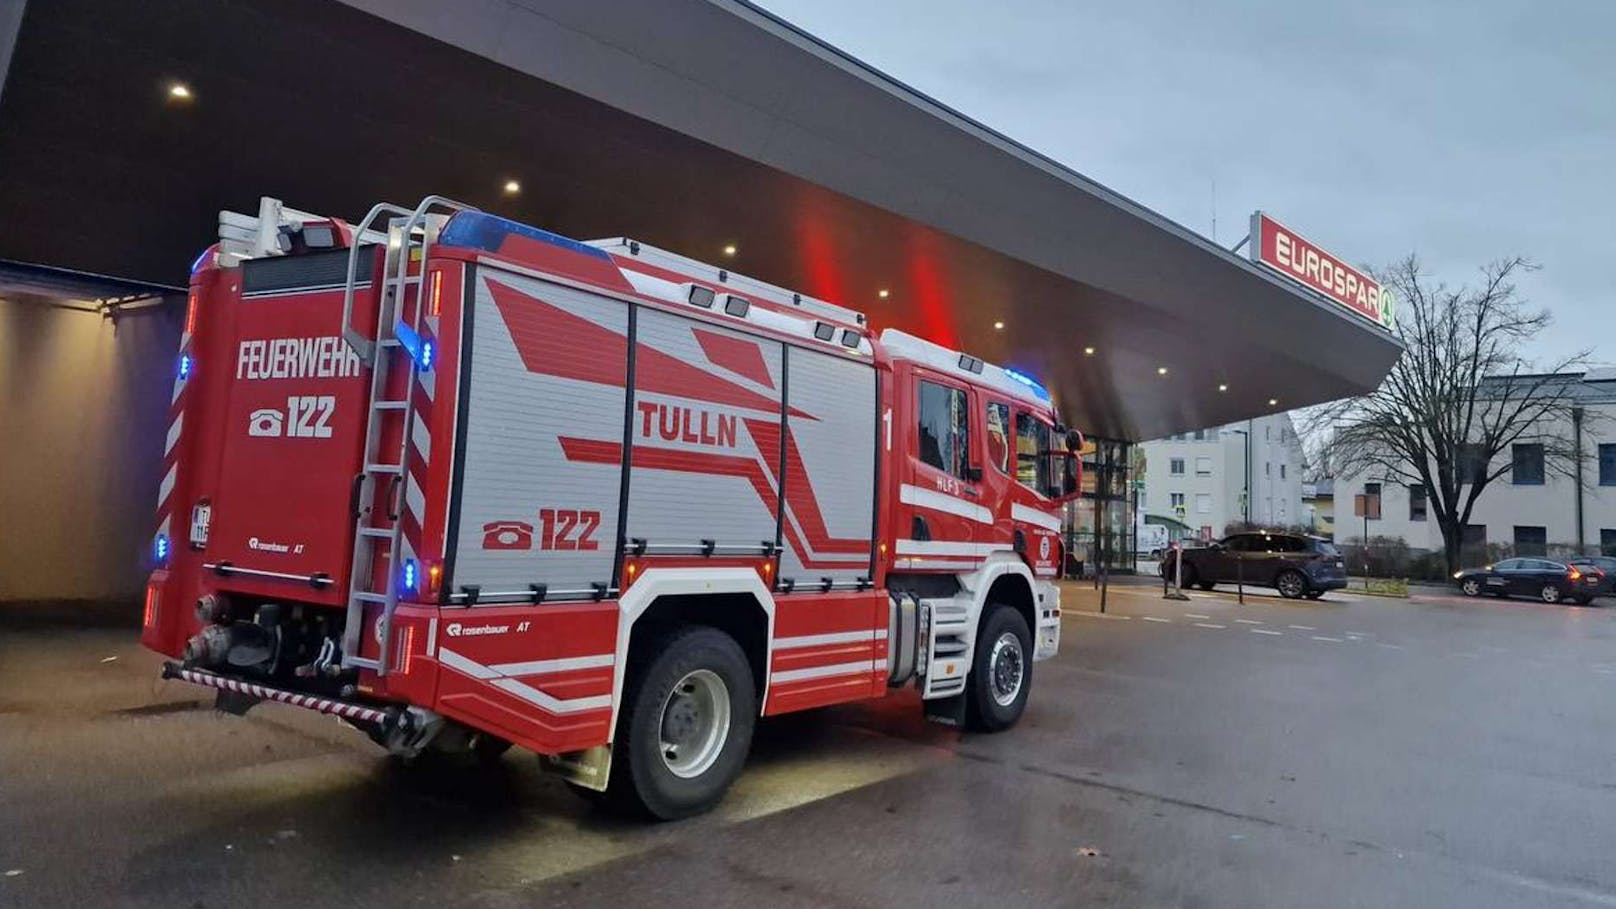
pixel 1294 564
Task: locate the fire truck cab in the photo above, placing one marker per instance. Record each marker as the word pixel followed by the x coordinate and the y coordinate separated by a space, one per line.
pixel 466 483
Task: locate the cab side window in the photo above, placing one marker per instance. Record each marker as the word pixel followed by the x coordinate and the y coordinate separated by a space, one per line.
pixel 999 436
pixel 945 434
pixel 1032 461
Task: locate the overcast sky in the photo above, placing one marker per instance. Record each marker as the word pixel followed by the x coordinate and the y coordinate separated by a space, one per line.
pixel 1463 131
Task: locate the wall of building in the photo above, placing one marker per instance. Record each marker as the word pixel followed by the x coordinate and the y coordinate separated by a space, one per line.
pixel 1504 504
pixel 1214 477
pixel 83 401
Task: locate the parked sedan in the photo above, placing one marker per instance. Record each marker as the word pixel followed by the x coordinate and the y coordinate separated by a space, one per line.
pixel 1294 564
pixel 1545 579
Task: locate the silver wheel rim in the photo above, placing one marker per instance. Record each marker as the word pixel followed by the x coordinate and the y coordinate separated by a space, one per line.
pixel 1290 586
pixel 694 724
pixel 1471 587
pixel 1551 594
pixel 1006 669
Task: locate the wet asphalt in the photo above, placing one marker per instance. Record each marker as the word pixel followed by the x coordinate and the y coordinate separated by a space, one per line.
pixel 1354 752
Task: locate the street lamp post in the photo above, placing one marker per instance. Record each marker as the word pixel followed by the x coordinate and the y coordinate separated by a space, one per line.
pixel 1245 495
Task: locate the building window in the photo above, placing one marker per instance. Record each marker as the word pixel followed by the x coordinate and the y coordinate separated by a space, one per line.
pixel 1282 471
pixel 1372 490
pixel 1607 465
pixel 999 436
pixel 1203 467
pixel 1282 508
pixel 1531 541
pixel 1416 502
pixel 1175 499
pixel 1203 503
pixel 1139 502
pixel 1607 541
pixel 1526 464
pixel 1267 468
pixel 944 428
pixel 1175 466
pixel 1200 435
pixel 1472 461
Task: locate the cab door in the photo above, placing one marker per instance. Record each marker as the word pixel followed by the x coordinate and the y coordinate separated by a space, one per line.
pixel 942 517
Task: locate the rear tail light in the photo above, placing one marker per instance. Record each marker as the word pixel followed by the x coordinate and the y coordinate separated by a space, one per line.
pixel 149 614
pixel 1574 574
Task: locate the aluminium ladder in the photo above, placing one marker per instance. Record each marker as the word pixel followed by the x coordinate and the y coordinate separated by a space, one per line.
pixel 409 237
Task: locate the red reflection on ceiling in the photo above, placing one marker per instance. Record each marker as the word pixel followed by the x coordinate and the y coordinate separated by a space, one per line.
pixel 934 319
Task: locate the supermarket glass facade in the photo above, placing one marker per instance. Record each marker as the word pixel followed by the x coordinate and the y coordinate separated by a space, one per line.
pixel 1100 526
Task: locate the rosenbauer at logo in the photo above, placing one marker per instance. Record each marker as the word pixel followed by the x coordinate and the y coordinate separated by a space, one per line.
pixel 457 629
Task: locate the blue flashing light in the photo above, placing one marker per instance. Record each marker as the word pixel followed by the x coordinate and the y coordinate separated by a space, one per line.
pixel 200 260
pixel 160 549
pixel 409 574
pixel 1028 381
pixel 185 365
pixel 420 349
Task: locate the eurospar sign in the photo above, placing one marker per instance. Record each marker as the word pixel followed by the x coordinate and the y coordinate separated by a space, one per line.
pixel 1285 251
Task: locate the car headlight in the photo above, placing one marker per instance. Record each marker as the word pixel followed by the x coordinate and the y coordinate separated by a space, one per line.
pixel 1456 575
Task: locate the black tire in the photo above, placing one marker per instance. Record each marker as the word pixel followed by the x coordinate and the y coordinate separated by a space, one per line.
pixel 1206 585
pixel 642 782
pixel 1189 577
pixel 1315 594
pixel 489 748
pixel 986 707
pixel 1470 587
pixel 1291 584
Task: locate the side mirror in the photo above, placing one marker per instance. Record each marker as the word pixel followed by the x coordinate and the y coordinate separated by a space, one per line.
pixel 1074 440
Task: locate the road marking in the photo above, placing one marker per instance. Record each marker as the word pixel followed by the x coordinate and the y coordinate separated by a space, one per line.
pixel 1265 631
pixel 1304 627
pixel 1248 621
pixel 1605 671
pixel 1156 618
pixel 1361 634
pixel 1320 637
pixel 1209 625
pixel 1193 615
pixel 1098 615
pixel 1390 646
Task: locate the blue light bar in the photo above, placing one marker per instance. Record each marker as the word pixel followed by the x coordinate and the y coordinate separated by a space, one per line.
pixel 200 260
pixel 428 354
pixel 160 549
pixel 409 574
pixel 185 366
pixel 1028 381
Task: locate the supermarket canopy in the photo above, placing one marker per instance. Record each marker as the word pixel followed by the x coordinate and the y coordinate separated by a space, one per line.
pixel 694 125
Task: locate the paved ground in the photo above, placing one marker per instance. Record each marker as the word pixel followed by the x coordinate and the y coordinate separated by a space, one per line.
pixel 1346 753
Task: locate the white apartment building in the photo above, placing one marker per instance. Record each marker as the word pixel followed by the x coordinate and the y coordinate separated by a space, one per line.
pixel 1531 506
pixel 1202 478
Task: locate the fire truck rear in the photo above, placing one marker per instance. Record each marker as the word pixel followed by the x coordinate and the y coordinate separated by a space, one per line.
pixel 465 483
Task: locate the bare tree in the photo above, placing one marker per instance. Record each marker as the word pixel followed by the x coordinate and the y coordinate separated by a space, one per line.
pixel 1462 395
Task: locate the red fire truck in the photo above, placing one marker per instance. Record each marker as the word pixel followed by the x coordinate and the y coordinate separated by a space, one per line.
pixel 465 483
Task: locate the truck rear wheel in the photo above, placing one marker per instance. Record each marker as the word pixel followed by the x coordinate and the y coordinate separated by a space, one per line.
pixel 1001 671
pixel 685 726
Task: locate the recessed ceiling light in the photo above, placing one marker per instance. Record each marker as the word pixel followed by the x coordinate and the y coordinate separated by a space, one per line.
pixel 1273 402
pixel 729 250
pixel 998 326
pixel 1222 387
pixel 883 293
pixel 179 91
pixel 1088 351
pixel 512 187
pixel 1161 370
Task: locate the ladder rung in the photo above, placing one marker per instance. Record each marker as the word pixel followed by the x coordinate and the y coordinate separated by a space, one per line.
pixel 361 663
pixel 389 342
pixel 391 405
pixel 394 469
pixel 366 596
pixel 380 533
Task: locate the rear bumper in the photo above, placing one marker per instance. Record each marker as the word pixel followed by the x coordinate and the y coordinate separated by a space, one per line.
pixel 383 719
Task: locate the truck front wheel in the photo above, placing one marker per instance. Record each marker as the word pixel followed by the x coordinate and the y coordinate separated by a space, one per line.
pixel 1001 671
pixel 685 726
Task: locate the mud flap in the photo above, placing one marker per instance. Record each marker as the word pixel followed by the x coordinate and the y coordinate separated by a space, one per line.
pixel 234 702
pixel 948 711
pixel 590 768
